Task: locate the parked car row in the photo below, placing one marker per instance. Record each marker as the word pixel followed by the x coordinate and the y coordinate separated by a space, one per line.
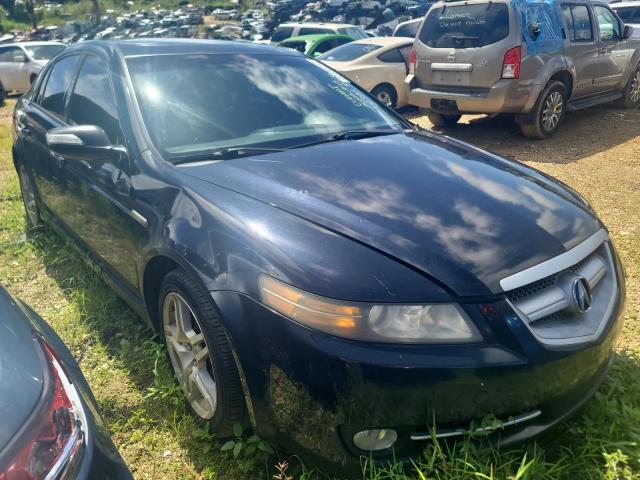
pixel 320 270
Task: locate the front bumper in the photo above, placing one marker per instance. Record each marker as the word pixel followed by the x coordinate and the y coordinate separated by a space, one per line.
pixel 310 392
pixel 506 96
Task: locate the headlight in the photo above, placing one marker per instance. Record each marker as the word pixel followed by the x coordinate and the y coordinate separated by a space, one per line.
pixel 435 323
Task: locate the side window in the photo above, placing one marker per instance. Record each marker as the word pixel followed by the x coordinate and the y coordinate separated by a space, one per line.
pixel 281 33
pixel 92 101
pixel 626 13
pixel 392 56
pixel 60 77
pixel 607 24
pixel 313 31
pixel 324 46
pixel 579 25
pixel 9 54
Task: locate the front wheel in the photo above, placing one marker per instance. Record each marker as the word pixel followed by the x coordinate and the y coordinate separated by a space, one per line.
pixel 200 353
pixel 631 93
pixel 548 112
pixel 443 120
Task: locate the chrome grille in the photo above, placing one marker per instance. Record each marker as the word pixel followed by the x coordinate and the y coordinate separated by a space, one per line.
pixel 546 305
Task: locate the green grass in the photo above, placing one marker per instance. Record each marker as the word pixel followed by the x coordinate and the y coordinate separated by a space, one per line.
pixel 126 368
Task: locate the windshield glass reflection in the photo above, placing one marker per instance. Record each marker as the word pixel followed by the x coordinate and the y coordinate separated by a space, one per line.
pixel 198 103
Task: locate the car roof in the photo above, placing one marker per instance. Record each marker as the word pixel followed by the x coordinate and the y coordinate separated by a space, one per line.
pixel 30 44
pixel 316 37
pixel 175 46
pixel 386 41
pixel 625 4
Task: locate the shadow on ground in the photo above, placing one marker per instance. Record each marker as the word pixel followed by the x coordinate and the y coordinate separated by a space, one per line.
pixel 584 133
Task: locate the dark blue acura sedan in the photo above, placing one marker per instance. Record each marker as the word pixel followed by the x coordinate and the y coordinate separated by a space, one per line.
pixel 320 270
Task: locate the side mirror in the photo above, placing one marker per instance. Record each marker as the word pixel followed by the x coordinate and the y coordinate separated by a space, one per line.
pixel 82 142
pixel 627 32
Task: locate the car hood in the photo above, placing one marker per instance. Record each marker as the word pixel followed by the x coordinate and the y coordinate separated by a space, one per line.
pixel 20 369
pixel 460 215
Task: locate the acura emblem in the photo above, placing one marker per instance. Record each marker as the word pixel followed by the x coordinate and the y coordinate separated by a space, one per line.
pixel 451 57
pixel 581 294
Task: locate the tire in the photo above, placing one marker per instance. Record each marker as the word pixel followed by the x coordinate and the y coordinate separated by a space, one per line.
pixel 386 95
pixel 29 199
pixel 631 93
pixel 442 120
pixel 548 112
pixel 204 330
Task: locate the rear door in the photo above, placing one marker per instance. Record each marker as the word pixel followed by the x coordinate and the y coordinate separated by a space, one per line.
pixel 10 68
pixel 462 45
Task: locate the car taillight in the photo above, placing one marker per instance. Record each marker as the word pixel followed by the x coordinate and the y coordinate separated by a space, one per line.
pixel 511 63
pixel 412 61
pixel 55 439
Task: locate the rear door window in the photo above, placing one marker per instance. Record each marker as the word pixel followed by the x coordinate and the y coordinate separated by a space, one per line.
pixel 578 20
pixel 58 83
pixel 465 26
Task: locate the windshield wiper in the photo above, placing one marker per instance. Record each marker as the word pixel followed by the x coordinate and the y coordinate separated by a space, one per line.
pixel 223 154
pixel 351 135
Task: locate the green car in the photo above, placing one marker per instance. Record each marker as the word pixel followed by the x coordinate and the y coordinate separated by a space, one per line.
pixel 316 45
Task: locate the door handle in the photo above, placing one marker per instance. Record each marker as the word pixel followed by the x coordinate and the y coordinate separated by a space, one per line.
pixel 25 130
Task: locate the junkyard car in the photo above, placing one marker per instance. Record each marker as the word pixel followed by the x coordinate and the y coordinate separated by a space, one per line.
pixel 319 269
pixel 20 63
pixel 51 428
pixel 315 45
pixel 480 57
pixel 290 29
pixel 378 64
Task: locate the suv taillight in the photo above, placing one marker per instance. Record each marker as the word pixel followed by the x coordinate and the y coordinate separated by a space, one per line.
pixel 511 63
pixel 55 439
pixel 412 61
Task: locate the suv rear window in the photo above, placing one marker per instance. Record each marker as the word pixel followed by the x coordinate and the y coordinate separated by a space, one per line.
pixel 465 26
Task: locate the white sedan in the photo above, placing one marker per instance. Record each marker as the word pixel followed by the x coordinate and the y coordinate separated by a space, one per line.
pixel 379 65
pixel 20 63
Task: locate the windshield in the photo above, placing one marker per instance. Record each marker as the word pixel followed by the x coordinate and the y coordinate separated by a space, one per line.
pixel 43 52
pixel 348 52
pixel 353 32
pixel 199 103
pixel 465 26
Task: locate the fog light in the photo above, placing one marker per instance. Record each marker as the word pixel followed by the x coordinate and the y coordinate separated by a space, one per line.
pixel 372 440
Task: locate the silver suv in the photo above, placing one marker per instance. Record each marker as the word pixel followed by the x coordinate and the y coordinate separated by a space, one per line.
pixel 534 60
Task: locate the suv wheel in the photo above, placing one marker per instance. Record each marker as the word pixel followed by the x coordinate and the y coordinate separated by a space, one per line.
pixel 631 94
pixel 200 353
pixel 443 120
pixel 548 112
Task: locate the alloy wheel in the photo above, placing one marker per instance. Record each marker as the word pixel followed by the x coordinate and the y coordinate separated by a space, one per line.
pixel 29 197
pixel 634 91
pixel 190 355
pixel 552 111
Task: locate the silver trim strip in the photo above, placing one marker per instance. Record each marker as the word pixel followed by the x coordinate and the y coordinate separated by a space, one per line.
pixel 524 417
pixel 555 264
pixel 139 218
pixel 455 67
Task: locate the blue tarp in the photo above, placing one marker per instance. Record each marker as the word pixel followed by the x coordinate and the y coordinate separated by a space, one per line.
pixel 545 16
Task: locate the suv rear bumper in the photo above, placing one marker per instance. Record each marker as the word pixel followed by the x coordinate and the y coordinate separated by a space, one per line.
pixel 506 96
